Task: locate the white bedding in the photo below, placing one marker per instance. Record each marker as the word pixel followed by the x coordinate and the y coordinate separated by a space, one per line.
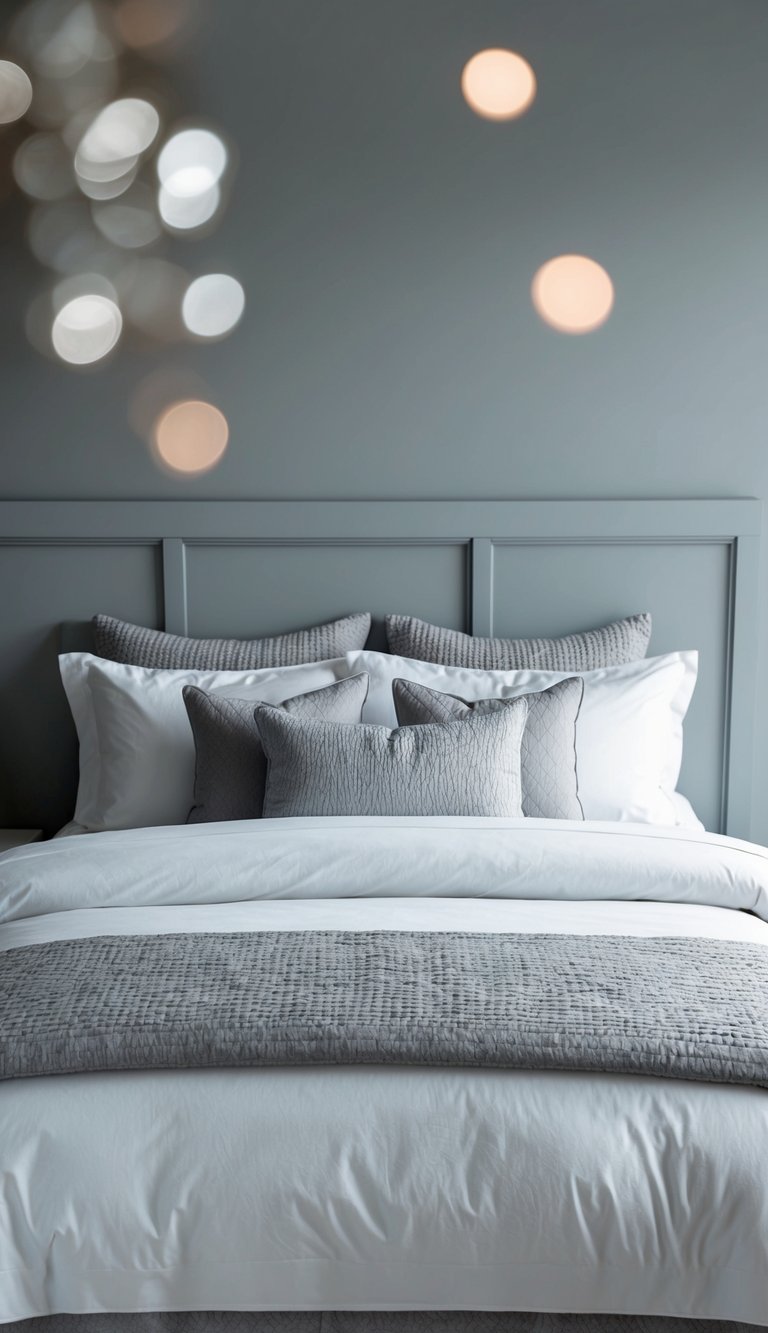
pixel 375 1188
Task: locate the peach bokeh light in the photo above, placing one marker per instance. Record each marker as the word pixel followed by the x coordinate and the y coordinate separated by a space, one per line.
pixel 572 293
pixel 191 436
pixel 498 85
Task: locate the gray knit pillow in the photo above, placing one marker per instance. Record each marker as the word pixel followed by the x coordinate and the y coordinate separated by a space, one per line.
pixel 230 765
pixel 548 751
pixel 462 768
pixel 121 642
pixel 613 645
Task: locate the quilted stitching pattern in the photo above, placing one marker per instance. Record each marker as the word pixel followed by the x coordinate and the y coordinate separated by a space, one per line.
pixel 548 751
pixel 672 1008
pixel 119 641
pixel 462 768
pixel 230 765
pixel 623 641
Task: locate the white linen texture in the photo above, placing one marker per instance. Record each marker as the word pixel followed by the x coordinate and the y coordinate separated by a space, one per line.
pixel 137 752
pixel 374 1188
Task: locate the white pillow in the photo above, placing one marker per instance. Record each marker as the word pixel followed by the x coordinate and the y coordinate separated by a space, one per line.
pixel 137 753
pixel 629 733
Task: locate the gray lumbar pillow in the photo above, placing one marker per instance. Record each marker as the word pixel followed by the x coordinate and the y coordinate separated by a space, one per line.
pixel 461 768
pixel 548 750
pixel 230 765
pixel 120 642
pixel 613 645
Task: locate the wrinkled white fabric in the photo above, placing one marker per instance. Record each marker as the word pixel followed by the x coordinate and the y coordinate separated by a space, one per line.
pixel 345 857
pixel 374 1188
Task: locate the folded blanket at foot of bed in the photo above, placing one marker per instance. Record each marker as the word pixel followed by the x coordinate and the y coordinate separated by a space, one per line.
pixel 678 1008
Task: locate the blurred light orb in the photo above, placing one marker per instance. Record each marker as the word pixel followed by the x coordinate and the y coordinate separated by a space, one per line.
pixel 147 23
pixel 191 436
pixel 43 168
pixel 191 161
pixel 80 284
pixel 62 48
pixel 130 222
pixel 156 391
pixel 498 84
pixel 572 293
pixel 212 305
pixel 100 191
pixel 15 92
pixel 86 329
pixel 115 140
pixel 182 212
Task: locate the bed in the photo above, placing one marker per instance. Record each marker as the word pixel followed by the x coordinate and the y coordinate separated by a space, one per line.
pixel 343 1190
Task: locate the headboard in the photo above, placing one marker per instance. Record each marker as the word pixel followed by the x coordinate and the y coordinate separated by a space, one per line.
pixel 245 568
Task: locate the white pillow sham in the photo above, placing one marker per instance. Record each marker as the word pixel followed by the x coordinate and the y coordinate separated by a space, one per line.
pixel 137 753
pixel 629 734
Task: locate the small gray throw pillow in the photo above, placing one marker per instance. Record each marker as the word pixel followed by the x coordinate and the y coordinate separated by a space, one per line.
pixel 230 765
pixel 548 751
pixel 120 642
pixel 461 768
pixel 613 645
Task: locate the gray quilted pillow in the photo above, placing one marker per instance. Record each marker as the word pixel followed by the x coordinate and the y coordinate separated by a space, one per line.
pixel 230 765
pixel 461 768
pixel 120 642
pixel 613 645
pixel 548 751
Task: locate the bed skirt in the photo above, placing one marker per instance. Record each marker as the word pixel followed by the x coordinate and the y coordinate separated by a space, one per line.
pixel 380 1321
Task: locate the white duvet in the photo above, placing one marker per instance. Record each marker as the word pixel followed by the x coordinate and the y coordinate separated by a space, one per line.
pixel 383 1188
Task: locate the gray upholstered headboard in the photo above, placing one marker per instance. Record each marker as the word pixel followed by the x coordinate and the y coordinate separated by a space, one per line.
pixel 245 568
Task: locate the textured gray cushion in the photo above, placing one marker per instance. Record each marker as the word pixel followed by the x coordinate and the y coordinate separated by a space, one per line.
pixel 461 768
pixel 613 645
pixel 548 751
pixel 120 642
pixel 230 765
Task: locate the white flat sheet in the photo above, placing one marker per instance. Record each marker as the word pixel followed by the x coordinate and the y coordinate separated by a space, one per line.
pixel 383 1188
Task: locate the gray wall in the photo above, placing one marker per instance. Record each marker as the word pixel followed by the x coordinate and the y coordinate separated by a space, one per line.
pixel 387 237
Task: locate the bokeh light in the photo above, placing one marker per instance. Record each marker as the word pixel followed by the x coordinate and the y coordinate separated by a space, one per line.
pixel 159 390
pixel 191 436
pixel 212 305
pixel 190 161
pixel 573 294
pixel 93 98
pixel 67 39
pixel 116 139
pixel 190 167
pixel 131 221
pixel 144 24
pixel 185 212
pixel 498 85
pixel 102 190
pixel 86 329
pixel 15 92
pixel 42 167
